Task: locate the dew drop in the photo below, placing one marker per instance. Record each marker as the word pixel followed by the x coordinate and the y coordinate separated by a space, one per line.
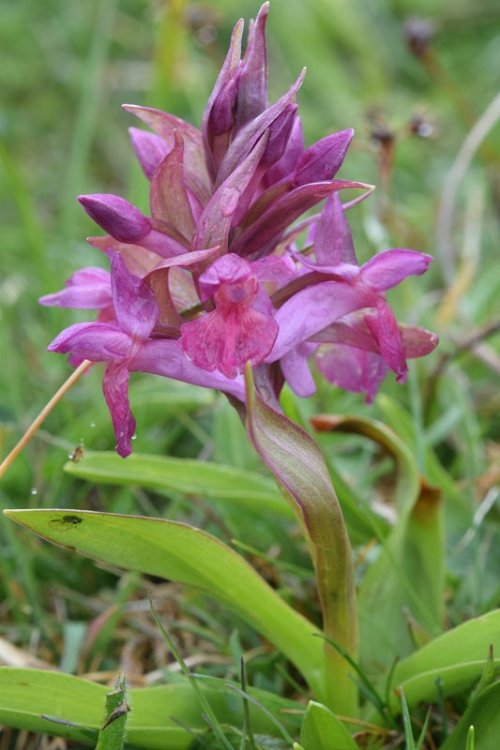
pixel 34 491
pixel 134 437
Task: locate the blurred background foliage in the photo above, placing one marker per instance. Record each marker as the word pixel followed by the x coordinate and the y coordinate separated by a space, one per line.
pixel 411 76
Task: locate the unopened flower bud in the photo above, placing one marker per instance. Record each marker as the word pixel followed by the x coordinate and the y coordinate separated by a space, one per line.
pixel 116 216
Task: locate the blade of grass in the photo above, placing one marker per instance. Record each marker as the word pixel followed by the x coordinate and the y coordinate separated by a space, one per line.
pixel 247 726
pixel 207 708
pixel 408 729
pixel 87 112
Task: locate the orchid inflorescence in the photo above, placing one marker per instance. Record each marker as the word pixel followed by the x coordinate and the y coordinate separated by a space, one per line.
pixel 216 277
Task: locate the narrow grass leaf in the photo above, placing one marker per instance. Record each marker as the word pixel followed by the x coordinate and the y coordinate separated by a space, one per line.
pixel 207 711
pixel 185 476
pixel 408 729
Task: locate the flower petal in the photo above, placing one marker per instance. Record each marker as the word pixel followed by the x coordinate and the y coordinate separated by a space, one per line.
pixel 149 148
pixel 418 342
pixel 313 309
pixel 352 369
pixel 252 132
pixel 389 267
pixel 384 327
pixel 332 237
pixel 226 343
pixel 116 216
pixel 165 357
pixel 274 268
pixel 134 302
pixel 164 125
pixel 228 269
pixel 115 389
pixel 87 289
pixel 98 342
pixel 323 159
pixel 296 370
pixel 226 74
pixel 215 221
pixel 261 236
pixel 252 86
pixel 168 196
pixel 293 152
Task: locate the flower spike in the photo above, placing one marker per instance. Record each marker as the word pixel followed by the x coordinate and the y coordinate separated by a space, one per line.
pixel 226 271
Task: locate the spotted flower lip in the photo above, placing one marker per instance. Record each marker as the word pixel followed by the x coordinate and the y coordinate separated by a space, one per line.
pixel 235 332
pixel 214 273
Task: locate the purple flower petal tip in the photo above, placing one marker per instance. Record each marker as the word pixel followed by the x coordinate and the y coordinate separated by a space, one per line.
pixel 115 215
pixel 323 160
pixel 389 267
pixel 149 148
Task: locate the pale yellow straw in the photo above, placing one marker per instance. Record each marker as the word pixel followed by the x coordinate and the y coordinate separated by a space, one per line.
pixel 43 414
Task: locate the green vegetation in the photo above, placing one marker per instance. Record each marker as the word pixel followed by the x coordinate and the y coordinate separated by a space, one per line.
pixel 427 127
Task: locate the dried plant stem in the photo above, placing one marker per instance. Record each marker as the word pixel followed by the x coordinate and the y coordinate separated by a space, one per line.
pixel 454 179
pixel 38 421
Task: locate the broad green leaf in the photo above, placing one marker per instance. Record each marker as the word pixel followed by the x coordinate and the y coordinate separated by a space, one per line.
pixel 182 553
pixel 361 520
pixel 406 580
pixel 322 729
pixel 55 703
pixel 401 422
pixel 408 479
pixel 457 658
pixel 185 476
pixel 112 731
pixel 296 462
pixel 484 716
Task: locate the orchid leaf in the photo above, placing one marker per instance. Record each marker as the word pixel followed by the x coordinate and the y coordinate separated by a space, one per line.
pixel 298 466
pixel 184 476
pixel 404 585
pixel 400 420
pixel 406 581
pixel 484 716
pixel 59 704
pixel 456 658
pixel 322 729
pixel 408 479
pixel 159 547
